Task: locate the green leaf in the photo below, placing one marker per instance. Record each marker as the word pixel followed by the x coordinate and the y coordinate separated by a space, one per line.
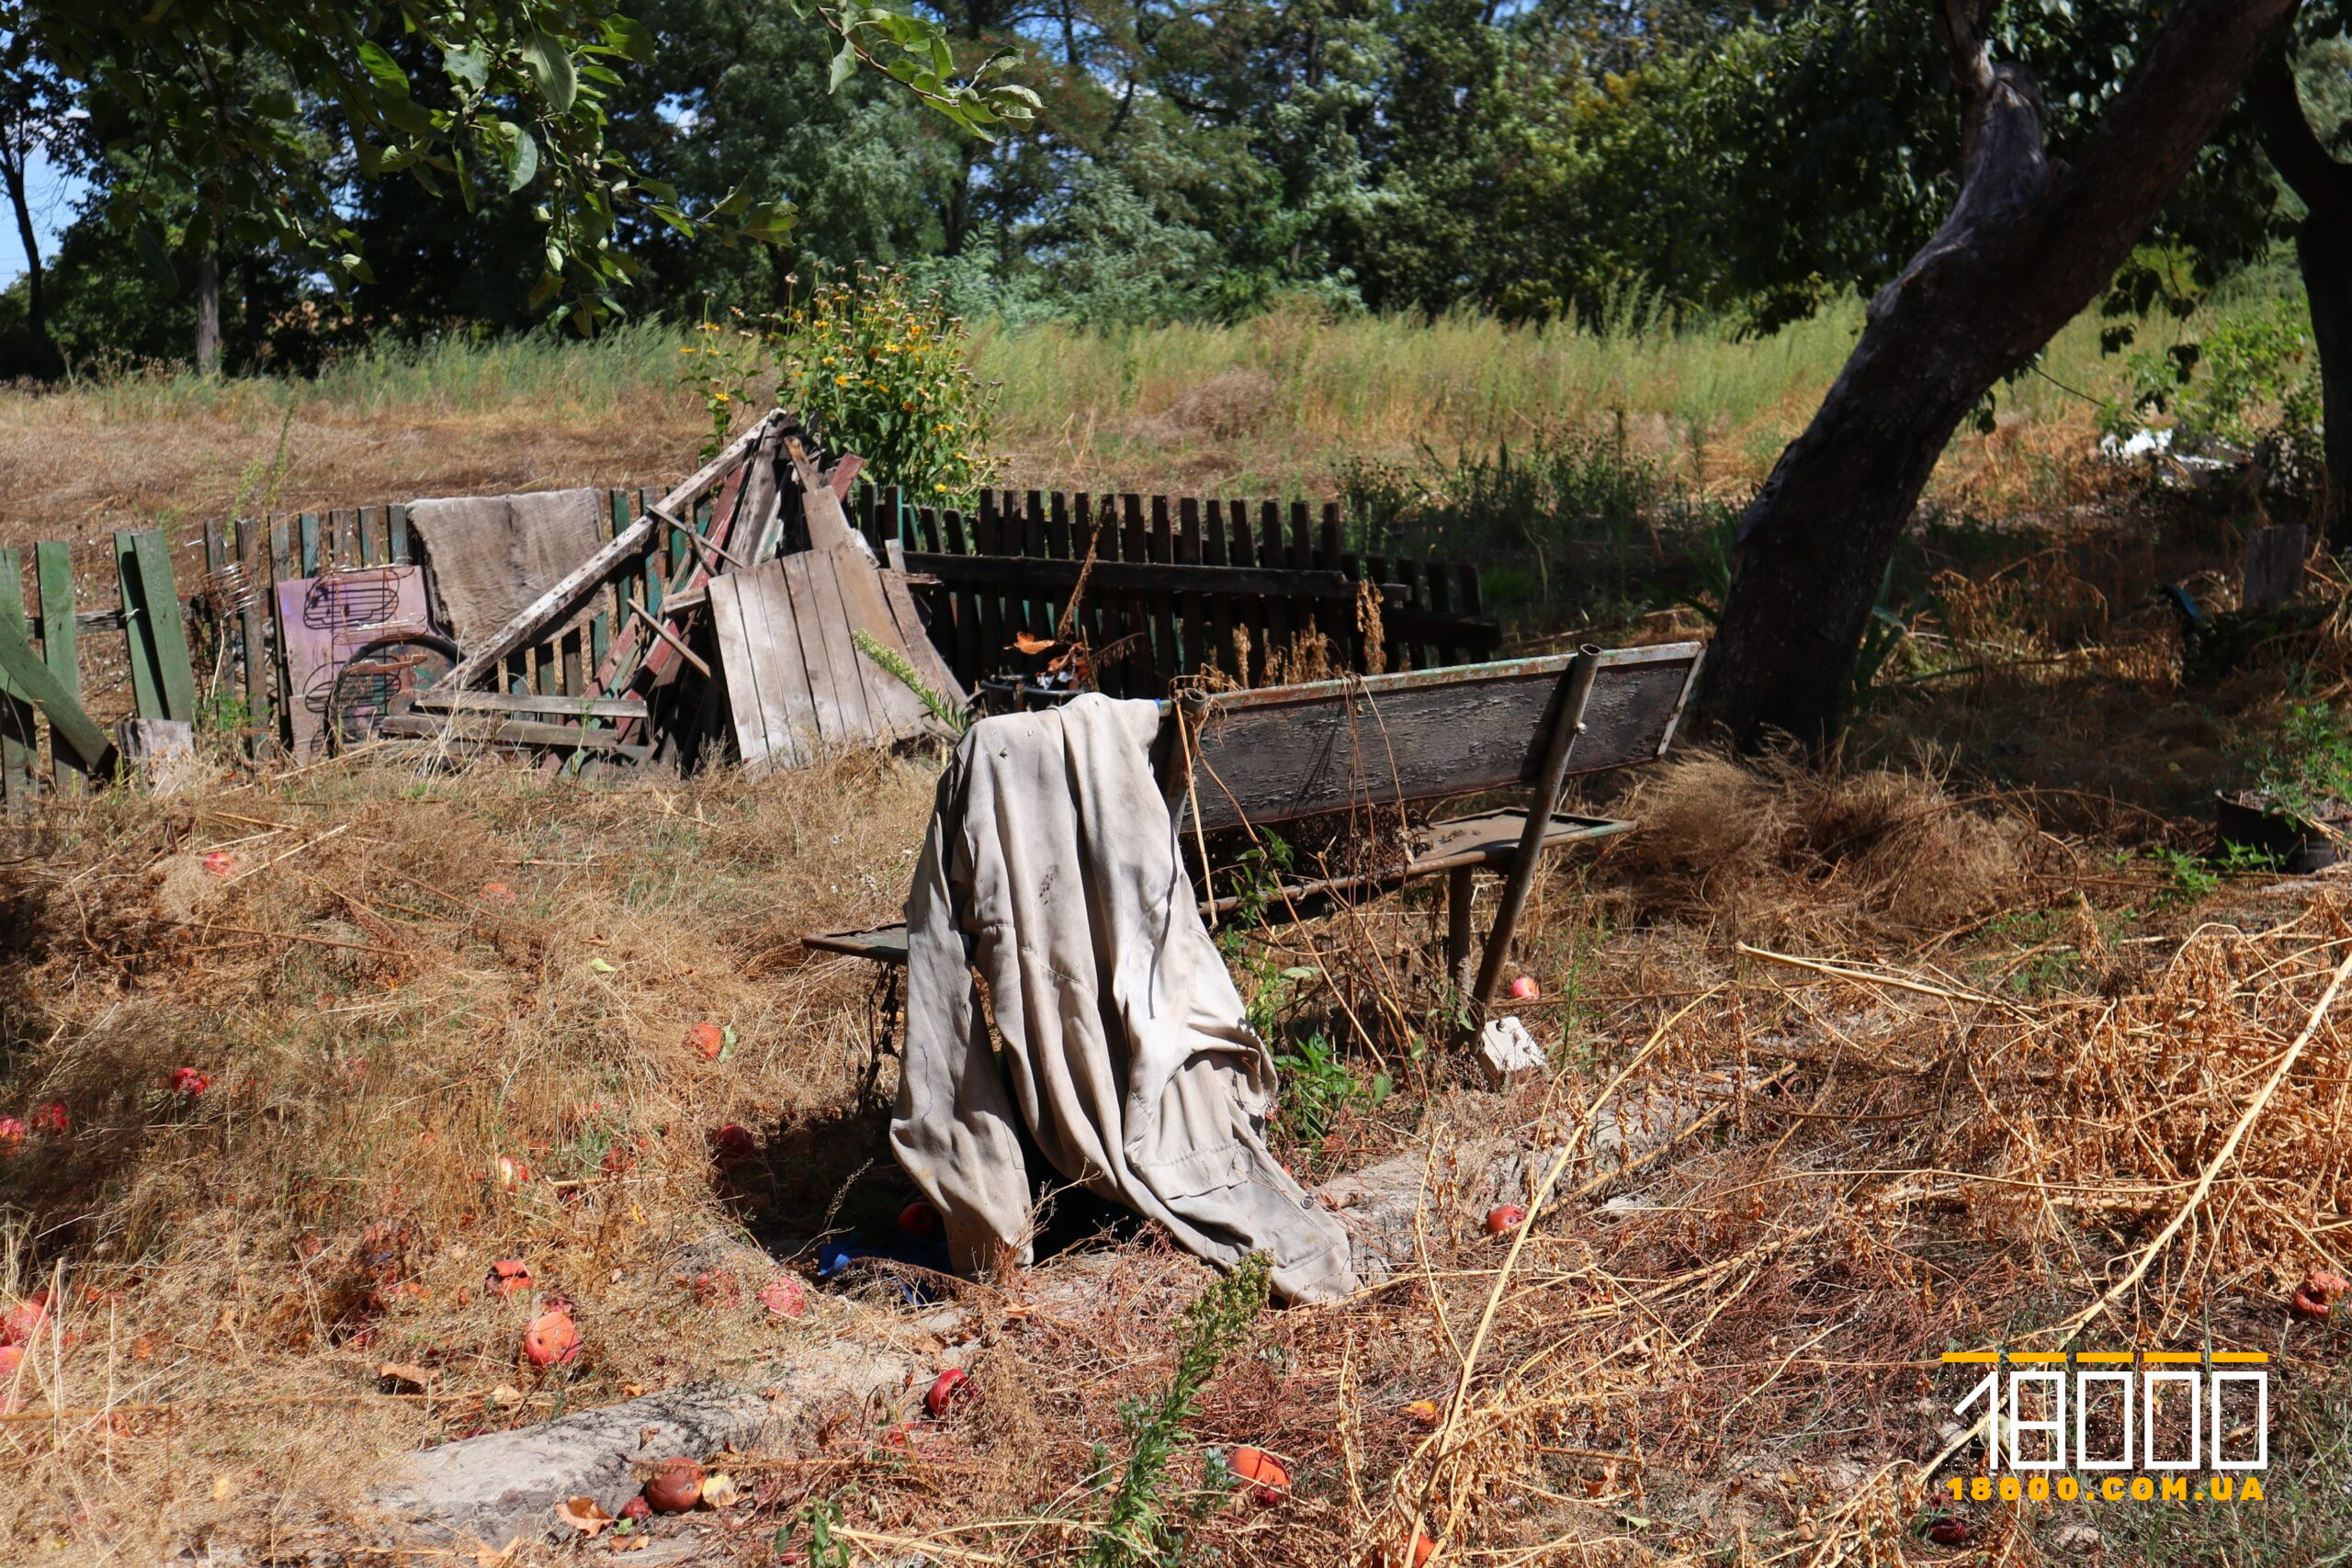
pixel 468 65
pixel 942 60
pixel 356 265
pixel 734 201
pixel 844 66
pixel 522 154
pixel 383 70
pixel 771 222
pixel 631 37
pixel 550 66
pixel 547 285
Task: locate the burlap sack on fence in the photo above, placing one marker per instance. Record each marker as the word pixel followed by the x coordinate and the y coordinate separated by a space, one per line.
pixel 490 556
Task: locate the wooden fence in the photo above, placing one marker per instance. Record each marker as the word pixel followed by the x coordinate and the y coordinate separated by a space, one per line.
pixel 45 647
pixel 1179 586
pixel 1260 590
pixel 246 561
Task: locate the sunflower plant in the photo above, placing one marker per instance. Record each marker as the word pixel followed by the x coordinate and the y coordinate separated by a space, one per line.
pixel 886 372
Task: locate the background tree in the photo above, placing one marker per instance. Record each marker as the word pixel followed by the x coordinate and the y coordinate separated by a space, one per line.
pixel 2029 242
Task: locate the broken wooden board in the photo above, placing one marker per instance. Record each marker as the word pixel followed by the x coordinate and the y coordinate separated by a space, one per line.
pixel 796 686
pixel 527 625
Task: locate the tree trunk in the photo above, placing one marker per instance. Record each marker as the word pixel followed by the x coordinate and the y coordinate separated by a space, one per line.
pixel 13 169
pixel 2324 251
pixel 2026 247
pixel 208 312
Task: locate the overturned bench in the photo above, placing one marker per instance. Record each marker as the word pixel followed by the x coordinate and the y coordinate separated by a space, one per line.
pixel 1258 759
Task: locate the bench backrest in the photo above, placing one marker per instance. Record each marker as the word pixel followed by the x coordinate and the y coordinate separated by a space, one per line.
pixel 1286 753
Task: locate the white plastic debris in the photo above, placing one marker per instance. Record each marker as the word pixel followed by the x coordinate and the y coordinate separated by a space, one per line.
pixel 1508 1052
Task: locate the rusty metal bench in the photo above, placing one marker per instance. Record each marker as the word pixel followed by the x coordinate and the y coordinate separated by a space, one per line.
pixel 1258 759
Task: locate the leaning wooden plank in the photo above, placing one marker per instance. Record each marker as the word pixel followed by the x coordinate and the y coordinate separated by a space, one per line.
pixel 536 616
pixel 53 572
pixel 832 691
pixel 176 677
pixel 767 682
pixel 917 641
pixel 853 591
pixel 563 706
pixel 146 696
pixel 505 732
pixel 787 712
pixel 19 740
pixel 25 670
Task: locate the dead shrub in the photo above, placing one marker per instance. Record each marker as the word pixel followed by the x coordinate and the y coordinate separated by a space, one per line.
pixel 1229 403
pixel 1776 848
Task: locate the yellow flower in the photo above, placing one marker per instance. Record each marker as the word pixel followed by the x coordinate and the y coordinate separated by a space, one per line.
pixel 841 381
pixel 720 398
pixel 941 489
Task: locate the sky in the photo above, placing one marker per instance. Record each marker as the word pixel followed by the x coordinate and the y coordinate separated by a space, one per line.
pixel 51 195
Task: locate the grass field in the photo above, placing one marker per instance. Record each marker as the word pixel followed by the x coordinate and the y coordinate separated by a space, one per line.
pixel 1276 406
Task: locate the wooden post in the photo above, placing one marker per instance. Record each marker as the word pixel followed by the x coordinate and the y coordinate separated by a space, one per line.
pixel 54 569
pixel 1461 887
pixel 259 588
pixel 1566 722
pixel 19 740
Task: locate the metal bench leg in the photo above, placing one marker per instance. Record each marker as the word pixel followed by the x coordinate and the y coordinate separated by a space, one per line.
pixel 1566 725
pixel 1460 886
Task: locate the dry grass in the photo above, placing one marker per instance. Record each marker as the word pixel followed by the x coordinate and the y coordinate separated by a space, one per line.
pixel 1907 1170
pixel 1780 849
pixel 379 1032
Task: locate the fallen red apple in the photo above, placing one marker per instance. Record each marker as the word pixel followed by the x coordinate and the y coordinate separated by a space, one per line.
pixel 52 1119
pixel 1423 1547
pixel 1524 989
pixel 2325 1283
pixel 1268 1478
pixel 1422 1413
pixel 12 1132
pixel 637 1508
pixel 551 1340
pixel 920 1218
pixel 11 1358
pixel 948 1388
pixel 675 1487
pixel 24 1320
pixel 733 1143
pixel 1948 1532
pixel 498 895
pixel 2303 1303
pixel 507 1277
pixel 220 862
pixel 707 1039
pixel 1504 1218
pixel 509 1172
pixel 188 1081
pixel 784 1296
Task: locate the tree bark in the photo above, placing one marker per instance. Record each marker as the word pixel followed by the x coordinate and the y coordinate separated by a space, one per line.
pixel 2027 245
pixel 208 312
pixel 12 167
pixel 2324 252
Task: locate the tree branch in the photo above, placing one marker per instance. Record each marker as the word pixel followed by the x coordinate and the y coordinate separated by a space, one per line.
pixel 2288 138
